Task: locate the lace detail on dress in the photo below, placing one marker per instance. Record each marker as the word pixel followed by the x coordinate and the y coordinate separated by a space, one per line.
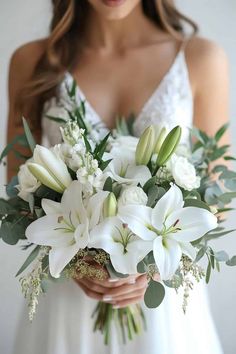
pixel 170 104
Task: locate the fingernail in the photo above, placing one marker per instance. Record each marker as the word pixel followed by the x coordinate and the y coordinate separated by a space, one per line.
pixel 113 280
pixel 116 307
pixel 132 281
pixel 107 298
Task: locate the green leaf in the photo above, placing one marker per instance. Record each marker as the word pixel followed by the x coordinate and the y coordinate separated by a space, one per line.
pixel 218 152
pixel 154 294
pixel 104 164
pixel 6 208
pixel 11 187
pixel 231 262
pixel 208 272
pixel 12 232
pixel 219 168
pixel 18 139
pixel 87 144
pixel 56 119
pixel 154 194
pixel 149 184
pixel 211 236
pixel 196 203
pixel 101 147
pixel 31 202
pixel 200 254
pixel 221 132
pixel 108 185
pixel 227 197
pixel 141 267
pixel 29 135
pixel 31 257
pixel 221 256
pixel 229 158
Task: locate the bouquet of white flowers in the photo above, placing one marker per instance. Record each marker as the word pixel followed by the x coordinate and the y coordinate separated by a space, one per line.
pixel 129 205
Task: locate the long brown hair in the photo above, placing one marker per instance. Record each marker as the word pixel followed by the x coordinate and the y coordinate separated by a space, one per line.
pixel 68 19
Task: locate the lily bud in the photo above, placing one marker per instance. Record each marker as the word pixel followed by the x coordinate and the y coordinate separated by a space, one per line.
pixel 160 139
pixel 42 175
pixel 52 166
pixel 169 145
pixel 110 205
pixel 145 146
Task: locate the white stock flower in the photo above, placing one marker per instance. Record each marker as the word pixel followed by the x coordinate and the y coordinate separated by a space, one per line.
pixel 171 228
pixel 71 133
pixel 27 182
pixel 65 227
pixel 132 195
pixel 126 249
pixel 184 173
pixel 90 175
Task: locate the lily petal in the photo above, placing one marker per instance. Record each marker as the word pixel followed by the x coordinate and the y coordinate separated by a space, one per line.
pixel 188 249
pixel 167 256
pixel 60 257
pixel 193 223
pixel 95 206
pixel 72 203
pixel 51 207
pixel 138 220
pixel 47 231
pixel 172 200
pixel 81 235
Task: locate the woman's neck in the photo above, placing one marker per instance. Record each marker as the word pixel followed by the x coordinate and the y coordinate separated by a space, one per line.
pixel 117 35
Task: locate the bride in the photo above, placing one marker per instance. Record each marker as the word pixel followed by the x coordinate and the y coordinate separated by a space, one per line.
pixel 126 56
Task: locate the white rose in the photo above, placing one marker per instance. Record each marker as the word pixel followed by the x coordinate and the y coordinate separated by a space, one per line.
pixel 133 195
pixel 184 173
pixel 27 182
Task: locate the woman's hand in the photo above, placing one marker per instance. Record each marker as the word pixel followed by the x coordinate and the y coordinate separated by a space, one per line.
pixel 120 293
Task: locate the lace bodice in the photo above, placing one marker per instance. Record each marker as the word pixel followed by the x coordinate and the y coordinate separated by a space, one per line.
pixel 170 104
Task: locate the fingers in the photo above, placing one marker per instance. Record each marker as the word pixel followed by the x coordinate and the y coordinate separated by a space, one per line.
pixel 127 293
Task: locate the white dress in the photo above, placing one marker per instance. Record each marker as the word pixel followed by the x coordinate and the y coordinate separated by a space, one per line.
pixel 63 323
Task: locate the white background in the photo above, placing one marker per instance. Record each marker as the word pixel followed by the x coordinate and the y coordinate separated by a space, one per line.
pixel 27 20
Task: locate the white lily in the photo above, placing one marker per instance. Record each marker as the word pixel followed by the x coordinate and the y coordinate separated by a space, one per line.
pixel 49 169
pixel 126 249
pixel 123 169
pixel 171 228
pixel 65 227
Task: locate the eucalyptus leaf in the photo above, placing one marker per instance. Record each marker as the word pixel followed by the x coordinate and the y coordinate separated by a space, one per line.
pixel 149 184
pixel 231 262
pixel 11 187
pixel 6 208
pixel 208 272
pixel 154 294
pixel 31 257
pixel 221 132
pixel 141 267
pixel 196 203
pixel 11 232
pixel 200 254
pixel 212 236
pixel 154 194
pixel 221 256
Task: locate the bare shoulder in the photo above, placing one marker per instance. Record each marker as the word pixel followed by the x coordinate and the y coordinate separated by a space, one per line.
pixel 206 59
pixel 24 59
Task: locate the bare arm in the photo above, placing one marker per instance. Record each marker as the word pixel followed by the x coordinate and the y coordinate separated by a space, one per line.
pixel 208 66
pixel 22 65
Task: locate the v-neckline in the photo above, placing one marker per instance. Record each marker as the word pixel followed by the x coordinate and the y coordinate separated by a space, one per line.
pixel 146 103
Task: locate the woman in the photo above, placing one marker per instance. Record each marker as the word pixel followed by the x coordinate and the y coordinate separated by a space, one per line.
pixel 149 68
